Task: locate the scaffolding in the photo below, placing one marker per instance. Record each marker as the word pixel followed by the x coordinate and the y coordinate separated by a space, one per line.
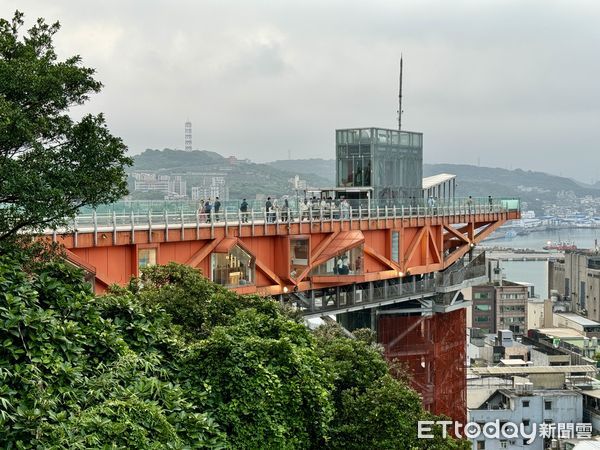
pixel 433 349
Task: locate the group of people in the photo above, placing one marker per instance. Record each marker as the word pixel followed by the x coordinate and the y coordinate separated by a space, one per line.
pixel 308 208
pixel 207 210
pixel 274 210
pixel 325 207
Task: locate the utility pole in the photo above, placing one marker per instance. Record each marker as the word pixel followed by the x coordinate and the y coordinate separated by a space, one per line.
pixel 400 97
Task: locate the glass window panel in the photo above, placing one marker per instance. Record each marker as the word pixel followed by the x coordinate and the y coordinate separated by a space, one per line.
pixel 395 241
pixel 349 262
pixel 232 269
pixel 146 257
pixel 358 172
pixel 346 172
pixel 298 256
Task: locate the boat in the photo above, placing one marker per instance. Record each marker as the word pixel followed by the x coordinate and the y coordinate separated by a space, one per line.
pixel 559 246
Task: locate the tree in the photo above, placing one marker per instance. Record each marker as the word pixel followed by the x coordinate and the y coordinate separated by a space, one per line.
pixel 50 164
pixel 373 409
pixel 80 371
pixel 267 387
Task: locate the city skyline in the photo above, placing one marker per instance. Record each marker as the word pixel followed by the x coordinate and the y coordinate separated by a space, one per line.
pixel 499 84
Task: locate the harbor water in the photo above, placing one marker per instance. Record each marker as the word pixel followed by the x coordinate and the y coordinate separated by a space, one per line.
pixel 536 272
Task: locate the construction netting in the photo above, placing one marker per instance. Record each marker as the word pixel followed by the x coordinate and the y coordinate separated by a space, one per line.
pixel 433 349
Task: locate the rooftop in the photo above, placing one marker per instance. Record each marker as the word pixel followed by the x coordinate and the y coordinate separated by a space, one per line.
pixel 512 393
pixel 507 371
pixel 559 332
pixel 434 180
pixel 583 321
pixel 513 362
pixel 591 392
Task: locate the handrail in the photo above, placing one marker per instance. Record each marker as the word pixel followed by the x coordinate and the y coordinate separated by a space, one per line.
pixel 231 217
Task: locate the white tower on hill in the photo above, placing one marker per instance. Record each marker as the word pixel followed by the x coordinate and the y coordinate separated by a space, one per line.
pixel 188 136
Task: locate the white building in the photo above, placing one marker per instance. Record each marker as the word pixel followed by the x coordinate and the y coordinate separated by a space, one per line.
pixel 211 187
pixel 530 407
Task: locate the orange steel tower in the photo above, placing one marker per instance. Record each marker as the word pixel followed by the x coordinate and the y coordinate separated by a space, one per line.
pixel 376 254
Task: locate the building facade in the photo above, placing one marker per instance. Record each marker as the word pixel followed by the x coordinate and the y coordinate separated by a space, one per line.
pixel 530 408
pixel 577 278
pixel 500 305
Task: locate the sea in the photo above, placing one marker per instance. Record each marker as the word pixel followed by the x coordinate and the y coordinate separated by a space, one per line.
pixel 536 272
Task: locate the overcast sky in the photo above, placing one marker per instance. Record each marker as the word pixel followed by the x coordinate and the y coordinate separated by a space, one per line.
pixel 503 83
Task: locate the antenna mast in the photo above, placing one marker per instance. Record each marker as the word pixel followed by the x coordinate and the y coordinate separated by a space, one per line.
pixel 400 97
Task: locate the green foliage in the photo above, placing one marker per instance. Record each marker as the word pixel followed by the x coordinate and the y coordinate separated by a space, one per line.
pixel 50 165
pixel 193 302
pixel 373 409
pixel 383 414
pixel 268 387
pixel 68 367
pixel 174 361
pixel 252 366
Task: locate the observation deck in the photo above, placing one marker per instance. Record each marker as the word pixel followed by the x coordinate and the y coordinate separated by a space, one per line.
pixel 297 253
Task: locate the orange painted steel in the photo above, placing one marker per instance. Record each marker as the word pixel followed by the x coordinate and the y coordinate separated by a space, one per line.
pixel 433 349
pixel 426 244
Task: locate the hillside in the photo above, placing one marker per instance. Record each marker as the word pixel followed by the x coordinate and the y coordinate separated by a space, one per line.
pixel 532 187
pixel 245 179
pixel 176 159
pixel 324 168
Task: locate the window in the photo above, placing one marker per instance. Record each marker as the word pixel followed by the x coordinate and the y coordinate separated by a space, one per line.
pixel 349 262
pixel 482 319
pixel 298 256
pixel 481 295
pixel 525 421
pixel 525 403
pixel 482 307
pixel 480 445
pixel 395 239
pixel 547 405
pixel 503 444
pixel 235 268
pixel 146 257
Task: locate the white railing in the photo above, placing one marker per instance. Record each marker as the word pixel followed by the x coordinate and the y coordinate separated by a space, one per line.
pixel 185 219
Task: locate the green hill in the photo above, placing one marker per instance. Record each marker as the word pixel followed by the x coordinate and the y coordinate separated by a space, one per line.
pixel 245 179
pixel 532 187
pixel 169 160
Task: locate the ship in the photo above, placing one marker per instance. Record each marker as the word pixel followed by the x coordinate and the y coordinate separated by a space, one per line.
pixel 560 246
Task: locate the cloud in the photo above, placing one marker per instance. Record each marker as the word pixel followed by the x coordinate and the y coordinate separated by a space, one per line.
pixel 510 82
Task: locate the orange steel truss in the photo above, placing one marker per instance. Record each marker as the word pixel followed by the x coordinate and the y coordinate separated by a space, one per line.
pixel 426 244
pixel 432 346
pixel 434 350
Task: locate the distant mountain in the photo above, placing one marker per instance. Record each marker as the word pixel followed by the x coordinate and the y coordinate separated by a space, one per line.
pixel 532 187
pixel 168 159
pixel 324 168
pixel 245 179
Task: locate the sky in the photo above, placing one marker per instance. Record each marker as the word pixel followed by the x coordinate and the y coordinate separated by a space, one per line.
pixel 507 83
